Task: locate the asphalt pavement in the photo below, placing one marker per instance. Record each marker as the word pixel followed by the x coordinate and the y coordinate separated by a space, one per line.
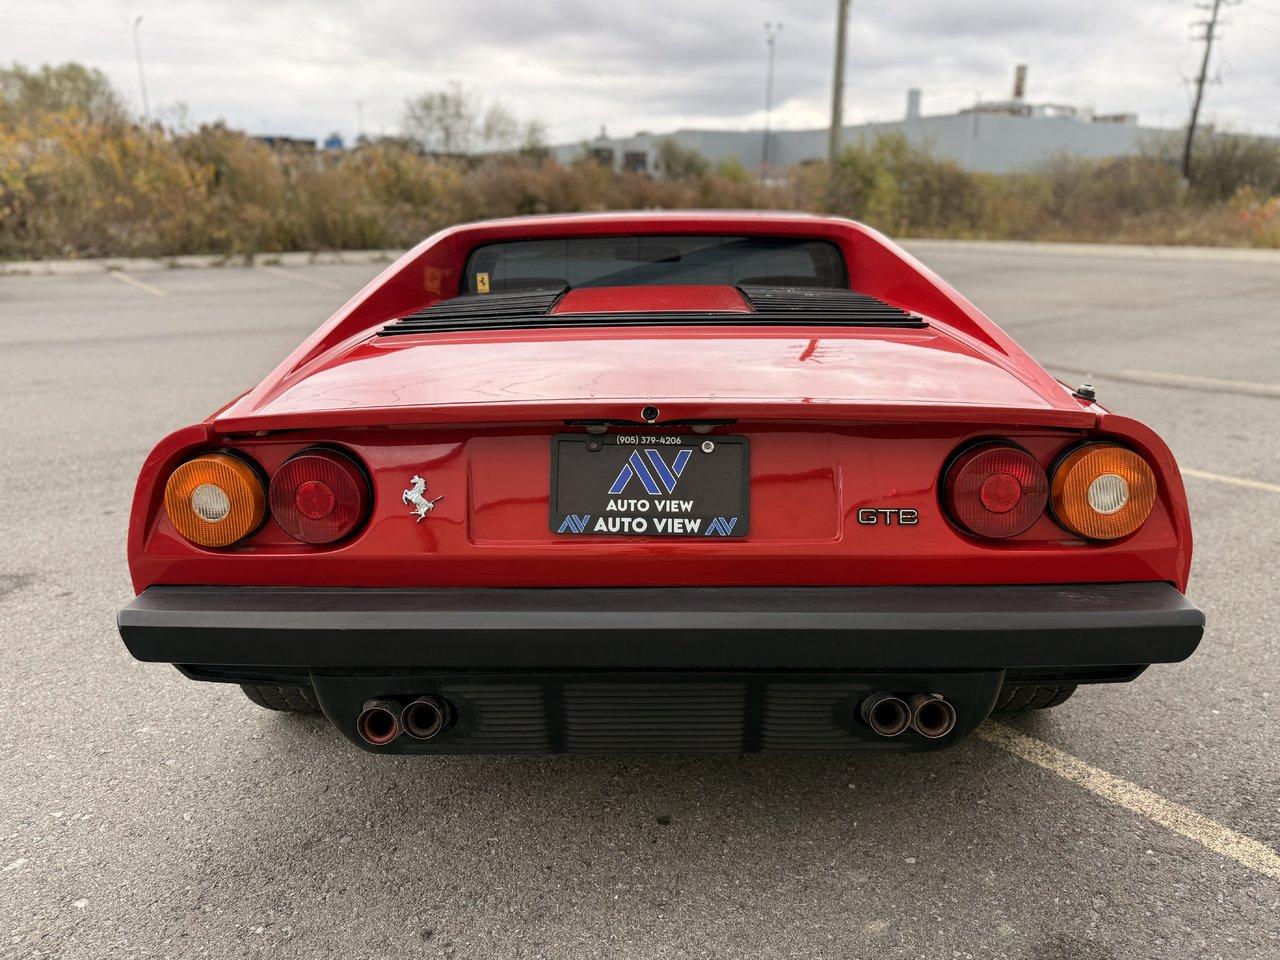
pixel 143 815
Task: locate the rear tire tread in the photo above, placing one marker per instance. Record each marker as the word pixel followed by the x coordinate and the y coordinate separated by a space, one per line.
pixel 1022 698
pixel 287 697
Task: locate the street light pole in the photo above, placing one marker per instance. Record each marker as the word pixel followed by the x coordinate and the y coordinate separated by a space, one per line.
pixel 142 77
pixel 771 31
pixel 837 84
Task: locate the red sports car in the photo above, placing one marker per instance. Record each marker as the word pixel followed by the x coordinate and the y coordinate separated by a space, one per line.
pixel 694 481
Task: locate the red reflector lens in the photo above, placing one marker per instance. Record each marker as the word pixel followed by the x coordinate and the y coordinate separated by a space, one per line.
pixel 319 496
pixel 315 500
pixel 996 490
pixel 1000 492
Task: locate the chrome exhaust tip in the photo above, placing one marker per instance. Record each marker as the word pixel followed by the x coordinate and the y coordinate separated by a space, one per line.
pixel 379 722
pixel 886 714
pixel 425 717
pixel 932 716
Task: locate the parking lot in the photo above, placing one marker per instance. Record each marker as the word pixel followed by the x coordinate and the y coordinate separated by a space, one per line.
pixel 144 815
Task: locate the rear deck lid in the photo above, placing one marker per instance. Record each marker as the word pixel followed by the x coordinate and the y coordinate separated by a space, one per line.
pixel 714 350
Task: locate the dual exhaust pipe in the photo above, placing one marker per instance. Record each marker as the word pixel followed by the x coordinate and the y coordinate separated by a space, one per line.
pixel 382 720
pixel 928 714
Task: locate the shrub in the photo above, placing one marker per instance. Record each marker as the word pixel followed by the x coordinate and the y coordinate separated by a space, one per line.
pixel 26 95
pixel 680 163
pixel 77 178
pixel 1225 163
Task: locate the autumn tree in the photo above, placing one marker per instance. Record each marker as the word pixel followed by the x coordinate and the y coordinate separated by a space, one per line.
pixel 26 94
pixel 455 121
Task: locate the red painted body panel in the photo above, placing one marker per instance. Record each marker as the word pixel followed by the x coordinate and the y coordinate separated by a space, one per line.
pixel 659 298
pixel 561 373
pixel 806 488
pixel 433 270
pixel 839 419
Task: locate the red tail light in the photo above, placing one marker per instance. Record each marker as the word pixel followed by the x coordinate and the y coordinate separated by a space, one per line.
pixel 319 496
pixel 996 490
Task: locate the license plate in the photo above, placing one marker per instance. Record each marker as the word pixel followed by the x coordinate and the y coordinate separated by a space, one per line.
pixel 649 485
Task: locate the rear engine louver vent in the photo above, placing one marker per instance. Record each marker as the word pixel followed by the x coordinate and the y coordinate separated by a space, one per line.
pixel 840 306
pixel 478 311
pixel 773 307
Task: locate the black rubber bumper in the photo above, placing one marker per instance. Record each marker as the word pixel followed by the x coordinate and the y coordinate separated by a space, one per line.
pixel 705 628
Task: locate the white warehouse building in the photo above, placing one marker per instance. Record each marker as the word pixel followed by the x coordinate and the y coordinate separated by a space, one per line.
pixel 992 137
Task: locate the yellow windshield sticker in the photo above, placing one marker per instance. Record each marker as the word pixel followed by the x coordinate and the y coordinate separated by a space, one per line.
pixel 482 283
pixel 432 279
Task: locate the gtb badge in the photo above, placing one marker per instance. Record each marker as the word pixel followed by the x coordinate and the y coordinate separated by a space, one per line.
pixel 888 516
pixel 413 497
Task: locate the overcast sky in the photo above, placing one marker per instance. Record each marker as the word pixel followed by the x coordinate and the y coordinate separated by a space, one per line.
pixel 293 67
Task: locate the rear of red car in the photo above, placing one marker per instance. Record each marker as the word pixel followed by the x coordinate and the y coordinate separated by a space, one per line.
pixel 660 482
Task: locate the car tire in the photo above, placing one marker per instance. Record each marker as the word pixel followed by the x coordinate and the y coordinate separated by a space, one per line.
pixel 1021 698
pixel 289 697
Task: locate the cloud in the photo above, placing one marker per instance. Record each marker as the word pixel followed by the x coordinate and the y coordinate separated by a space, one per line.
pixel 300 68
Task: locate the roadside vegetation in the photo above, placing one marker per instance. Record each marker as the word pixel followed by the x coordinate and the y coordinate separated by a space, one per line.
pixel 80 177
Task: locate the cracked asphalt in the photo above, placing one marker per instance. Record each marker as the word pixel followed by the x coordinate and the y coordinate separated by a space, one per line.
pixel 143 815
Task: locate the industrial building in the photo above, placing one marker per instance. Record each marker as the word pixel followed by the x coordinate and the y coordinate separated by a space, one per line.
pixel 1000 136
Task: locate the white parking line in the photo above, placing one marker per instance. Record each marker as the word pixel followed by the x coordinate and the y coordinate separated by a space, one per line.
pixel 1245 386
pixel 1163 378
pixel 1182 820
pixel 1237 481
pixel 298 277
pixel 137 284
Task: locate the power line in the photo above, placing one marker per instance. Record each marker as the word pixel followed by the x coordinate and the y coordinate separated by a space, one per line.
pixel 1270 13
pixel 1254 28
pixel 80 27
pixel 331 56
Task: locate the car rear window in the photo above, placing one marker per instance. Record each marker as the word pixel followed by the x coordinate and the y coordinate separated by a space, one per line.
pixel 647 260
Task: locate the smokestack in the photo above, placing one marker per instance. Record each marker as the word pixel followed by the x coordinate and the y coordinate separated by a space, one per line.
pixel 1019 81
pixel 913 103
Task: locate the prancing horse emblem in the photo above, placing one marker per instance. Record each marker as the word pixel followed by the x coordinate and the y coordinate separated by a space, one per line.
pixel 414 497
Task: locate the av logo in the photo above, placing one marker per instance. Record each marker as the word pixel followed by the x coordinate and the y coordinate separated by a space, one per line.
pixel 722 526
pixel 636 467
pixel 574 523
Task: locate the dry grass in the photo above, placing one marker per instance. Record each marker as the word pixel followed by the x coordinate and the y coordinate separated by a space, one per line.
pixel 72 185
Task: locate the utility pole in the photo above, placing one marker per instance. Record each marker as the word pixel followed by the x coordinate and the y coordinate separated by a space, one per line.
pixel 837 85
pixel 142 77
pixel 1209 26
pixel 771 31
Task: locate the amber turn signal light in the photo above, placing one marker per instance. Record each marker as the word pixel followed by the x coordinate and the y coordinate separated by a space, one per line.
pixel 215 500
pixel 1103 491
